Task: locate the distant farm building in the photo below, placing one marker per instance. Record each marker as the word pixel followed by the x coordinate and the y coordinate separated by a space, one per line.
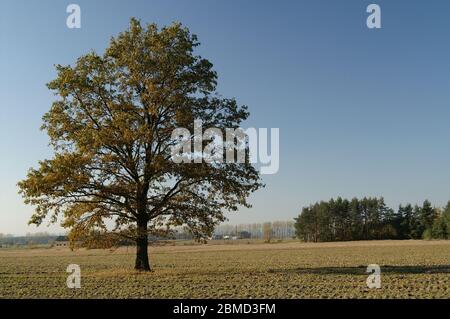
pixel 61 241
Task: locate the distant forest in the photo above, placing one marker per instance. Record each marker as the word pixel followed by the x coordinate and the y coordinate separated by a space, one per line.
pixel 334 220
pixel 369 218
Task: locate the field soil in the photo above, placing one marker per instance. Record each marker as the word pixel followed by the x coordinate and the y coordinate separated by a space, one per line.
pixel 241 269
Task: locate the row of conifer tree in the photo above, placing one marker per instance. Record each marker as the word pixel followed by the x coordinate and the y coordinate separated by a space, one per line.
pixel 370 218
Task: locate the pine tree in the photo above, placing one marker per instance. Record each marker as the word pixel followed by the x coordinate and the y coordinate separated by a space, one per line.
pixel 427 216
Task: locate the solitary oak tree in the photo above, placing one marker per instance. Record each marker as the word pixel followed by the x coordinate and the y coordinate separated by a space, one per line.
pixel 113 173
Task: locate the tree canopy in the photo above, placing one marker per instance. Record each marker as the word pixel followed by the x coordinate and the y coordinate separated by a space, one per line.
pixel 111 132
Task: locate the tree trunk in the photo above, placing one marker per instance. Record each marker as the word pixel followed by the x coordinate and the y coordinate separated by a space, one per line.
pixel 142 263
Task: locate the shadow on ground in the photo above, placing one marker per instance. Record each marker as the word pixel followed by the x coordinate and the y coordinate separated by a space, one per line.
pixel 361 270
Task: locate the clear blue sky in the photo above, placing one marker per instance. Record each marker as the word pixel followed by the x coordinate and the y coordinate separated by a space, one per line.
pixel 361 112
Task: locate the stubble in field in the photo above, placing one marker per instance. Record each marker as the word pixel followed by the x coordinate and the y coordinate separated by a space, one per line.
pixel 409 269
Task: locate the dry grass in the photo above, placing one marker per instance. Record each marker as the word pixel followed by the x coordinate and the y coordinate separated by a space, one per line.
pixel 410 269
